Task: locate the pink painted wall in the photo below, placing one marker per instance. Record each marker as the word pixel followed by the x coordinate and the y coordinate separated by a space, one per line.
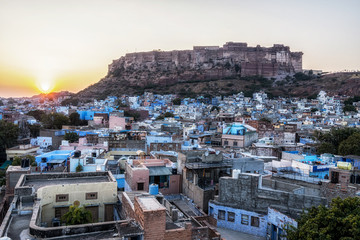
pixel 81 146
pixel 135 175
pixel 174 185
pixel 98 120
pixel 115 121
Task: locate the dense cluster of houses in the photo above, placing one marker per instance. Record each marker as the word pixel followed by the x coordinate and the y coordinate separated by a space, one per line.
pixel 190 165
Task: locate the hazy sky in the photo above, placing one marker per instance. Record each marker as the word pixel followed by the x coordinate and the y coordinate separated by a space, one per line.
pixel 68 44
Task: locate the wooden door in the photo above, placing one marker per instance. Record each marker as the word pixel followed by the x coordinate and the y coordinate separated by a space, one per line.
pixel 109 212
pixel 94 213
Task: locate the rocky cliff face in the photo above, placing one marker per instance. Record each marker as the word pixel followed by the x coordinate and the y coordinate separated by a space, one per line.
pixel 202 64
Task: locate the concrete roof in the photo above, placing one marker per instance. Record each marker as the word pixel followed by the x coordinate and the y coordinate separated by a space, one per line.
pixel 41 180
pixel 150 204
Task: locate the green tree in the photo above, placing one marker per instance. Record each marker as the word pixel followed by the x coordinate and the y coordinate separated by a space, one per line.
pixel 55 120
pixel 160 117
pixel 349 108
pixel 341 221
pixel 264 119
pixel 177 101
pixel 79 167
pixel 334 137
pixel 37 114
pixel 351 100
pixel 17 160
pixel 302 76
pixel 77 215
pixel 34 130
pixel 9 133
pixel 132 113
pixel 168 114
pixel 350 146
pixel 71 137
pixel 326 147
pixel 76 121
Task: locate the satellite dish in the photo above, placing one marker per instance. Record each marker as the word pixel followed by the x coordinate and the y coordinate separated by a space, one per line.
pixel 206 153
pixel 76 203
pixel 217 152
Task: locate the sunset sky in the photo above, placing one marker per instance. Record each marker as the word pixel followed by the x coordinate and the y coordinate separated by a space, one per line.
pixel 68 44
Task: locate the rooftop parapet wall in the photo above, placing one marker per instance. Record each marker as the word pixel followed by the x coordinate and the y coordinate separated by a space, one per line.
pixel 247 193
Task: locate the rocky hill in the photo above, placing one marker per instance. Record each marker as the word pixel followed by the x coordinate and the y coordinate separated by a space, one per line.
pixel 213 70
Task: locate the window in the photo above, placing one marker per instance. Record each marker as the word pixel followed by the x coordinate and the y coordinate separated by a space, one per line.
pixel 140 186
pixel 62 197
pixel 235 143
pixel 255 221
pixel 231 217
pixel 212 211
pixel 221 215
pixel 244 219
pixel 60 211
pixel 334 177
pixel 91 195
pixel 162 181
pixel 226 142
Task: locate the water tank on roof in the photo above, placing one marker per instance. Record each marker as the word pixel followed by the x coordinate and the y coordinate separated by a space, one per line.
pixel 25 163
pixel 154 189
pixel 77 154
pixel 344 165
pixel 235 173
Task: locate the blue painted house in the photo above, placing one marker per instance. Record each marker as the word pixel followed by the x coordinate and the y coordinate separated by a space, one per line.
pixel 50 159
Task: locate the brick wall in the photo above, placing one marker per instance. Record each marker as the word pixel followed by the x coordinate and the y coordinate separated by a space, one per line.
pixel 127 206
pixel 152 221
pixel 179 234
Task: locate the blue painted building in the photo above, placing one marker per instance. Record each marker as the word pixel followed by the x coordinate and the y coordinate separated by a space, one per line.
pixel 89 114
pixel 277 223
pixel 47 160
pixel 86 114
pixel 239 219
pixel 157 139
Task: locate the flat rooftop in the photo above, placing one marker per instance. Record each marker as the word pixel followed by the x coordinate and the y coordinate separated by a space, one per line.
pixel 41 180
pixel 150 204
pixel 19 227
pixel 19 147
pixel 62 181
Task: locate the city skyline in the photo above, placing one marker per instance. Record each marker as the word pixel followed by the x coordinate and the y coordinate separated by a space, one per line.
pixel 63 45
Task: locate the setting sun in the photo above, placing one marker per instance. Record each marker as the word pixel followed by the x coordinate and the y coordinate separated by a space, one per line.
pixel 45 87
pixel 45 82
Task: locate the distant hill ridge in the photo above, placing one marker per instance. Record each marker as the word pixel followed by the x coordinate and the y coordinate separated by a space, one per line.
pixel 209 70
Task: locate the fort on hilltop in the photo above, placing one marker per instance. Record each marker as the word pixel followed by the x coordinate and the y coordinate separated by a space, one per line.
pixel 202 70
pixel 233 58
